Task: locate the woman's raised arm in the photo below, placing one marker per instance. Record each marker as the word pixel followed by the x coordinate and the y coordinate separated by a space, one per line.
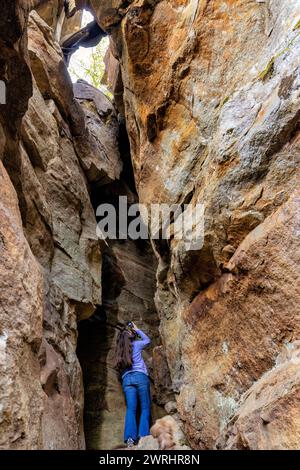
pixel 145 339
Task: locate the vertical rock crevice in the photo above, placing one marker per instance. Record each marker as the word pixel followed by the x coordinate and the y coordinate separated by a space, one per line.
pixel 209 94
pixel 128 288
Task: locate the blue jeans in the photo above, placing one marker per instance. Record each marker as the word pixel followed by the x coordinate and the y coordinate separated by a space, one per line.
pixel 136 385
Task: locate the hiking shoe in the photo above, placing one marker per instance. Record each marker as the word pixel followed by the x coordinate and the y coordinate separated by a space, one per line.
pixel 130 443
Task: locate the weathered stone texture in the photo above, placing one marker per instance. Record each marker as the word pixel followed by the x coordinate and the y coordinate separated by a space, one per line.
pixel 50 253
pixel 21 330
pixel 211 95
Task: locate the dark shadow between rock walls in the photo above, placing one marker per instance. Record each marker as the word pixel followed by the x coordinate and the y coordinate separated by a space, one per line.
pixel 127 278
pixel 128 288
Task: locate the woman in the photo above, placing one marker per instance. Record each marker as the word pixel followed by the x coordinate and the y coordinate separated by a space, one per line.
pixel 135 381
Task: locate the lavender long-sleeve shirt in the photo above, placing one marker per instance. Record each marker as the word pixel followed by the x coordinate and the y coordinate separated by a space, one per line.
pixel 138 364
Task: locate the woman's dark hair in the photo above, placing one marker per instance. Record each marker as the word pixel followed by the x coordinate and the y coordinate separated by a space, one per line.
pixel 123 354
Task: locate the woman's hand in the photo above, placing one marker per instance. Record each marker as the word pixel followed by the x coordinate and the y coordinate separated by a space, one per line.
pixel 134 326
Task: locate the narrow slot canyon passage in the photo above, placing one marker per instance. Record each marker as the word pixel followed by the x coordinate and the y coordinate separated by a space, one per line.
pixel 128 289
pixel 167 104
pixel 128 283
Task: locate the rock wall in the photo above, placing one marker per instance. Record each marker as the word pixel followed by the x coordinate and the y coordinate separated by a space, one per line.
pixel 209 92
pixel 211 97
pixel 60 154
pixel 50 255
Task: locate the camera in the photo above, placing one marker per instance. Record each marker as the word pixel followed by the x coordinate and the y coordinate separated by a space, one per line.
pixel 129 326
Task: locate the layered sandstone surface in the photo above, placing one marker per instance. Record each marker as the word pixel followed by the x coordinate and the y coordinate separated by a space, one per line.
pixel 211 97
pixel 50 255
pixel 209 91
pixel 58 145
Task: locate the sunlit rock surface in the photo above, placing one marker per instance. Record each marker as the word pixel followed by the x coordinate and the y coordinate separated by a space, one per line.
pixel 209 92
pixel 211 95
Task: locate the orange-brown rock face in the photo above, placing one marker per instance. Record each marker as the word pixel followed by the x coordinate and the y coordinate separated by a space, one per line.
pixel 211 95
pixel 237 327
pixel 209 90
pixel 268 417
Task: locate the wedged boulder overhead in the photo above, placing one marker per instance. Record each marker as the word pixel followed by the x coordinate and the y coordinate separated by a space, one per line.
pixel 99 154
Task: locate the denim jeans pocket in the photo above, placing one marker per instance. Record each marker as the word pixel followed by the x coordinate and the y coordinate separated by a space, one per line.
pixel 141 378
